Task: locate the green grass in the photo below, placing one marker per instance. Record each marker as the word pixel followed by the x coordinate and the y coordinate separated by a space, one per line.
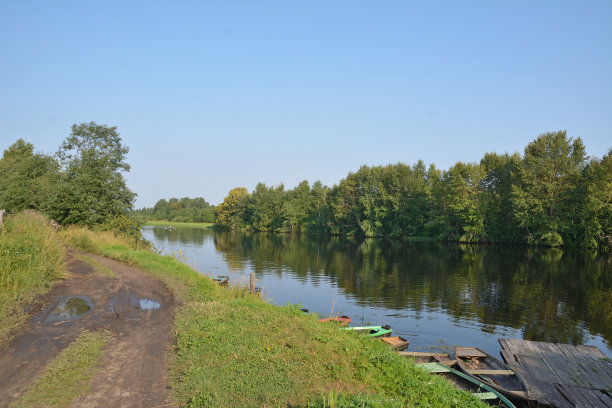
pixel 69 375
pixel 31 259
pixel 203 225
pixel 234 349
pixel 100 268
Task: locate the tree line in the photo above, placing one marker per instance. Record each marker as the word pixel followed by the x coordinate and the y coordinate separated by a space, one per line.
pixel 82 183
pixel 179 210
pixel 552 195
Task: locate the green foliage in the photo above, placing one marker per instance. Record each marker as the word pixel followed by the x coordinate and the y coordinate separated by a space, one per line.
pixel 126 227
pixel 551 196
pixel 31 259
pixel 27 179
pixel 550 172
pixel 194 210
pixel 91 188
pixel 231 212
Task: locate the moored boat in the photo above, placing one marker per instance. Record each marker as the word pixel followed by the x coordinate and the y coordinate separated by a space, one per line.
pixel 465 382
pixel 396 342
pixel 372 331
pixel 222 280
pixel 489 370
pixel 343 320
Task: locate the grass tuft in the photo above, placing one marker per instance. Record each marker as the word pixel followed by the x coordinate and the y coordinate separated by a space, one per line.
pixel 31 259
pixel 69 375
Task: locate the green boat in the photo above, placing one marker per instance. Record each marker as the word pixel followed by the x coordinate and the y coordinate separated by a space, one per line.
pixel 464 382
pixel 372 331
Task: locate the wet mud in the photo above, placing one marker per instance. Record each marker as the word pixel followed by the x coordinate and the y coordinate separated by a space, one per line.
pixel 134 307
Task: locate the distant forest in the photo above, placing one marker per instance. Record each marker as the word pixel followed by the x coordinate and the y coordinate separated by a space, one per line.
pixel 552 195
pixel 179 210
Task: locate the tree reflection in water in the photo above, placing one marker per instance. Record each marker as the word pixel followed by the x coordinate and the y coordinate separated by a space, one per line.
pixel 556 295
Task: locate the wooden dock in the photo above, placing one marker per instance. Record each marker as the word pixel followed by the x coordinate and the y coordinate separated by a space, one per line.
pixel 561 375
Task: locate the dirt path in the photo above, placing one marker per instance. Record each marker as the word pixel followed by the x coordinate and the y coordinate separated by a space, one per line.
pixel 133 306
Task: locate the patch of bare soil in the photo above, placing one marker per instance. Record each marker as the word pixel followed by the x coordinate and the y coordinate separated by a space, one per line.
pixel 135 307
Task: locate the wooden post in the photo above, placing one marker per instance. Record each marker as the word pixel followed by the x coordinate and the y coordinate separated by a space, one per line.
pixel 2 212
pixel 252 285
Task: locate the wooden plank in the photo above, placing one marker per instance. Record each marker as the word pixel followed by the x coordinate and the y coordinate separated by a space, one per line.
pixel 541 392
pixel 421 354
pixel 468 352
pixel 491 372
pixel 576 366
pixel 595 352
pixel 561 374
pixel 537 369
pixel 508 357
pixel 583 396
pixel 560 363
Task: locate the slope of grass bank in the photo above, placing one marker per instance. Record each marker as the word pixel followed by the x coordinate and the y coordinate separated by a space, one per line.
pixel 203 225
pixel 31 259
pixel 234 349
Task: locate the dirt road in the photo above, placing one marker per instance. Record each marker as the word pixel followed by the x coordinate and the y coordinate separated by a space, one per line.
pixel 134 307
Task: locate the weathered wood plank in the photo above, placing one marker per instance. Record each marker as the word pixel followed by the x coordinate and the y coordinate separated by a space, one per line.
pixel 537 369
pixel 421 354
pixel 561 374
pixel 491 372
pixel 468 352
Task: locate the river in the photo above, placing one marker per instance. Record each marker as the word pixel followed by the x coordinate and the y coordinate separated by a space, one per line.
pixel 437 295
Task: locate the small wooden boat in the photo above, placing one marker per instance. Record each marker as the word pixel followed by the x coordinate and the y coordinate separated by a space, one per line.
pixel 396 342
pixel 427 357
pixel 372 331
pixel 343 320
pixel 489 370
pixel 222 280
pixel 465 382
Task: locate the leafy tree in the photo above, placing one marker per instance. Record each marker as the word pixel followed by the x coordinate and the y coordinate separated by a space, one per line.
pixel 500 222
pixel 92 188
pixel 463 215
pixel 318 218
pixel 550 196
pixel 26 178
pixel 230 213
pixel 296 207
pixel 551 168
pixel 594 204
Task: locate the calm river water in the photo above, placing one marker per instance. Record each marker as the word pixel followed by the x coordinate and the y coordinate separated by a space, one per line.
pixel 438 295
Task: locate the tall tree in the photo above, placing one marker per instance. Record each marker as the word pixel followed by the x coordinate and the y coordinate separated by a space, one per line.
pixel 499 221
pixel 464 216
pixel 550 171
pixel 231 212
pixel 92 189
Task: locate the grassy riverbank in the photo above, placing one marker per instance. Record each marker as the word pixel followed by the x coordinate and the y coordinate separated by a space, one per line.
pixel 31 259
pixel 203 225
pixel 234 349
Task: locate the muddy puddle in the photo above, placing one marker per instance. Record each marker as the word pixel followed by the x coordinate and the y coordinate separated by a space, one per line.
pixel 68 308
pixel 122 303
pixel 148 304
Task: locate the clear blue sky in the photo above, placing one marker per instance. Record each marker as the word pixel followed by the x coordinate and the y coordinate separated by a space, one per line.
pixel 213 95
